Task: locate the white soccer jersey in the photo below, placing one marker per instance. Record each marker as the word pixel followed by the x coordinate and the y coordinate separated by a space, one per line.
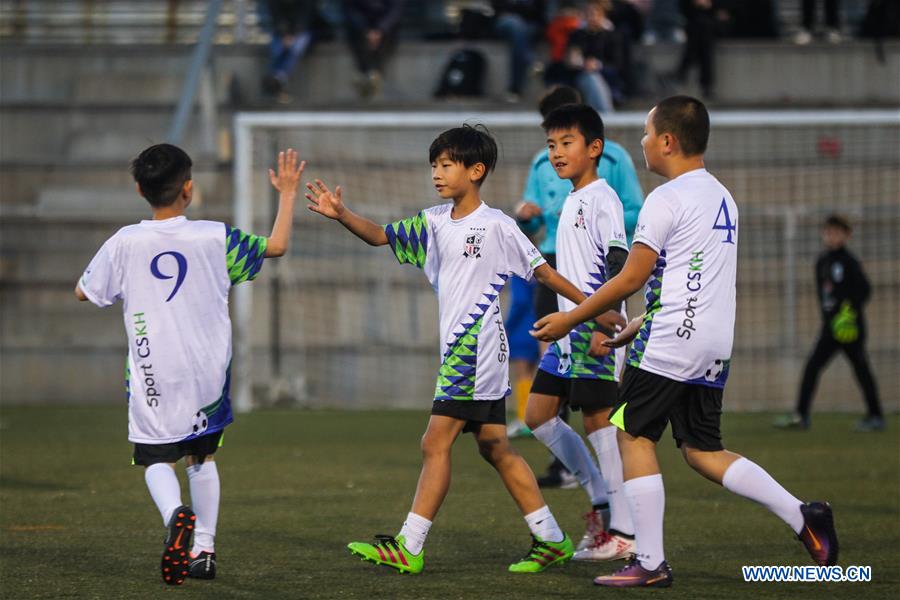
pixel 467 261
pixel 687 334
pixel 590 224
pixel 173 277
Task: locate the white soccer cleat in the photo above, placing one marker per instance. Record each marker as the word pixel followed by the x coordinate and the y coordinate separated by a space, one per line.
pixel 596 529
pixel 607 547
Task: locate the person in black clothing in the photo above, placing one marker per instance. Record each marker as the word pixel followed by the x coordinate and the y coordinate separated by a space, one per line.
pixel 700 28
pixel 832 22
pixel 519 22
pixel 372 33
pixel 843 290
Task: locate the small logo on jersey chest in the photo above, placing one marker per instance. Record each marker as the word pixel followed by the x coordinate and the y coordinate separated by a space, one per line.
pixel 579 218
pixel 474 244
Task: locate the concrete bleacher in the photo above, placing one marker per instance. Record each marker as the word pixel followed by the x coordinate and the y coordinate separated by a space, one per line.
pixel 72 115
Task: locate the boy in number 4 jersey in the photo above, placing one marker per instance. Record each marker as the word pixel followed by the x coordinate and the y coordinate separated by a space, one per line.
pixel 685 251
pixel 468 251
pixel 173 276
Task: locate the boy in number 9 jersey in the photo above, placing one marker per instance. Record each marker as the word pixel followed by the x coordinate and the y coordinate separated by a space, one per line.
pixel 173 276
pixel 685 251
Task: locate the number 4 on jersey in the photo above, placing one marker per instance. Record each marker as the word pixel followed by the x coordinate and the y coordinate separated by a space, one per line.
pixel 729 225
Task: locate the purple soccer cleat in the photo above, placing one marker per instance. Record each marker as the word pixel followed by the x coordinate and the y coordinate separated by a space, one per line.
pixel 634 575
pixel 818 534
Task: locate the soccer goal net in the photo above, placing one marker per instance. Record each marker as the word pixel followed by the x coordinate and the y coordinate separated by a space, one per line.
pixel 338 323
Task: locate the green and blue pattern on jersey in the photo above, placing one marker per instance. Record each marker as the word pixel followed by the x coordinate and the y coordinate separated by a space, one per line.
pixel 654 304
pixel 456 377
pixel 580 364
pixel 409 239
pixel 218 413
pixel 244 254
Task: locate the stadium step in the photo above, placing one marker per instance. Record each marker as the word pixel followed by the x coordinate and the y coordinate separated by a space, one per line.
pixel 749 73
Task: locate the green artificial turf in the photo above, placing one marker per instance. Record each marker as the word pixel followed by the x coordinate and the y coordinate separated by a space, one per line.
pixel 76 520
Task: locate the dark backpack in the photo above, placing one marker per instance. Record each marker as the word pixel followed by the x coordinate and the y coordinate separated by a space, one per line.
pixel 464 75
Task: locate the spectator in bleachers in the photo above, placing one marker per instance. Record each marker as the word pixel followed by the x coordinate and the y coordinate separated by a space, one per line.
pixel 289 24
pixel 700 18
pixel 519 22
pixel 372 34
pixel 563 23
pixel 757 19
pixel 664 22
pixel 630 20
pixel 832 22
pixel 595 55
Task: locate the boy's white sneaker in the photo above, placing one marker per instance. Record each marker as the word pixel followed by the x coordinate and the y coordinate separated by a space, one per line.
pixel 607 546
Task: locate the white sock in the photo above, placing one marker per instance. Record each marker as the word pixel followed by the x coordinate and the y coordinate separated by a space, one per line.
pixel 415 530
pixel 205 492
pixel 647 500
pixel 164 489
pixel 567 446
pixel 543 525
pixel 746 478
pixel 607 449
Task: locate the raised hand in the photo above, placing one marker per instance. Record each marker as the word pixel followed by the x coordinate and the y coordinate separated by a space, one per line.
pixel 324 201
pixel 287 179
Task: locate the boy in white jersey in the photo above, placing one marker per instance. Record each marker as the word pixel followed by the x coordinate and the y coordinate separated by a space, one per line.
pixel 173 277
pixel 579 370
pixel 468 251
pixel 685 250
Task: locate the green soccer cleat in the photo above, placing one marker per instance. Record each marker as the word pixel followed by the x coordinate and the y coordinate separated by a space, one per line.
pixel 390 552
pixel 544 554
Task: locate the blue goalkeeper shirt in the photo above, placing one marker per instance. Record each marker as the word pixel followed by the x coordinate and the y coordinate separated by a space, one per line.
pixel 545 188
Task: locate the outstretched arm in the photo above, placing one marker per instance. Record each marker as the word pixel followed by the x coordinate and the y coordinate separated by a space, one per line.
pixel 551 278
pixel 637 270
pixel 330 204
pixel 285 181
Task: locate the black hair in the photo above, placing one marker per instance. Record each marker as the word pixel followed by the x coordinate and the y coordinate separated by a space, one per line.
pixel 578 116
pixel 161 171
pixel 685 118
pixel 557 96
pixel 468 145
pixel 838 221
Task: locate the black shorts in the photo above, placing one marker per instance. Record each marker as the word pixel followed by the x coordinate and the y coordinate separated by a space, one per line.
pixel 590 395
pixel 150 454
pixel 473 412
pixel 545 301
pixel 647 402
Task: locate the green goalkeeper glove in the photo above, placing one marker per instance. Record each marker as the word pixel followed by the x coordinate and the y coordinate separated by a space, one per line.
pixel 844 327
